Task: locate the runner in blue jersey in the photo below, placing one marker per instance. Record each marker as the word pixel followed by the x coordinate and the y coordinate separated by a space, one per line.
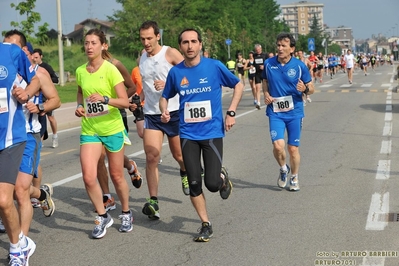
pixel 199 81
pixel 13 64
pixel 285 80
pixel 331 65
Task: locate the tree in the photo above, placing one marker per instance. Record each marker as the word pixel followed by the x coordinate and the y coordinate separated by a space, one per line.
pixel 317 33
pixel 27 26
pixel 42 34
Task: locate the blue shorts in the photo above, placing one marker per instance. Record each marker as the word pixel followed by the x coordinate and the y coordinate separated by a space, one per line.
pixel 279 125
pixel 31 158
pixel 113 143
pixel 171 129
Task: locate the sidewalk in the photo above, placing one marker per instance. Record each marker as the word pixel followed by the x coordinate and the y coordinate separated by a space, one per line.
pixel 65 116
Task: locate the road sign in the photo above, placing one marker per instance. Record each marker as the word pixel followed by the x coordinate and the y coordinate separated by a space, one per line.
pixel 311 45
pixel 228 41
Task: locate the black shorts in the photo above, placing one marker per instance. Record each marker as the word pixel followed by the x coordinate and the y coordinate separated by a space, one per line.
pixel 212 155
pixel 43 130
pixel 240 70
pixel 258 78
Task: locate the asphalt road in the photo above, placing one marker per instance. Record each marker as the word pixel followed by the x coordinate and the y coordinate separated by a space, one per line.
pixel 344 210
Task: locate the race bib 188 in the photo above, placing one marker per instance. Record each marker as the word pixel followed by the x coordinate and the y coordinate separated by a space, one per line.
pixel 195 112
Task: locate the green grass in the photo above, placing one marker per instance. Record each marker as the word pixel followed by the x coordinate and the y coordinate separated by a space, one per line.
pixel 67 93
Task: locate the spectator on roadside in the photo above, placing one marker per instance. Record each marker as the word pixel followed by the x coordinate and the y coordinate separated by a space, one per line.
pixel 37 57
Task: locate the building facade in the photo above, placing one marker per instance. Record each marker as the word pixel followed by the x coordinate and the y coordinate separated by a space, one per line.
pixel 77 35
pixel 343 36
pixel 299 16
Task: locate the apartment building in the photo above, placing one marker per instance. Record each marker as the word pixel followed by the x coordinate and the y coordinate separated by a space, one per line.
pixel 341 35
pixel 299 16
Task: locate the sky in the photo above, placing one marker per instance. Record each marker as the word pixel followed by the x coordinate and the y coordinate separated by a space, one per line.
pixel 365 17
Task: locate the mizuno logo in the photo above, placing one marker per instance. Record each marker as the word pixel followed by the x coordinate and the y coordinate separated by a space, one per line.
pixel 203 80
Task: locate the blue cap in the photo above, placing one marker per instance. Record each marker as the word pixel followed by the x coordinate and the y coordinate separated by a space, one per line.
pixel 30 47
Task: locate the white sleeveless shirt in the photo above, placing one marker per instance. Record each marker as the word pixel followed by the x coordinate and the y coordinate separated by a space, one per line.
pixel 155 68
pixel 32 120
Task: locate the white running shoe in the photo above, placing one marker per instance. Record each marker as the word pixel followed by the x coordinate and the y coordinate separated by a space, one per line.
pixel 55 142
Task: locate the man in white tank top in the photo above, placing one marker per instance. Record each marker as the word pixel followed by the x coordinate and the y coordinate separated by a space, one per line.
pixel 155 64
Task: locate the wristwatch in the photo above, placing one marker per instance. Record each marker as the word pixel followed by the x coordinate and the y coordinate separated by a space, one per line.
pixel 106 100
pixel 306 90
pixel 40 106
pixel 231 113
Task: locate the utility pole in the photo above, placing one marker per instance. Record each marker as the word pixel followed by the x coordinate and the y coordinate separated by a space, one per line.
pixel 60 45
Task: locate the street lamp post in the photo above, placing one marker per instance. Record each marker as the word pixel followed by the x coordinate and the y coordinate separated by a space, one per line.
pixel 60 45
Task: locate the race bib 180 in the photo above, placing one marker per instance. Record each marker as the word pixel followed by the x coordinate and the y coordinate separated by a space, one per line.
pixel 283 104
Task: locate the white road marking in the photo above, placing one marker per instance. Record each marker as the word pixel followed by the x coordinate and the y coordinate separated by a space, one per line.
pixel 325 85
pixel 379 208
pixel 386 147
pixel 388 116
pixel 387 131
pixel 383 170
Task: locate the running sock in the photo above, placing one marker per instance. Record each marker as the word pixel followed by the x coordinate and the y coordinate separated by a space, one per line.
pixel 105 215
pixel 126 212
pixel 108 196
pixel 15 248
pixel 284 168
pixel 23 242
pixel 42 195
pixel 55 136
pixel 131 169
pixel 154 198
pixel 183 173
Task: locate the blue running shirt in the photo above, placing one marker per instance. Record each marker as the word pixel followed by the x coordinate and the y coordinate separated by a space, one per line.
pixel 200 91
pixel 282 82
pixel 13 61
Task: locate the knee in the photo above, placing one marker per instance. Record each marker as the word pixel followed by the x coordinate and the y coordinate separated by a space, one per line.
pixel 6 201
pixel 195 188
pixel 89 180
pixel 117 178
pixel 214 186
pixel 152 158
pixel 278 146
pixel 293 150
pixel 21 194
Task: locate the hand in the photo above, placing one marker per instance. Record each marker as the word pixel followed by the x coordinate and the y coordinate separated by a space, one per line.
pixel 159 85
pixel 229 122
pixel 165 117
pixel 300 86
pixel 96 98
pixel 20 94
pixel 80 111
pixel 132 107
pixel 32 108
pixel 269 99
